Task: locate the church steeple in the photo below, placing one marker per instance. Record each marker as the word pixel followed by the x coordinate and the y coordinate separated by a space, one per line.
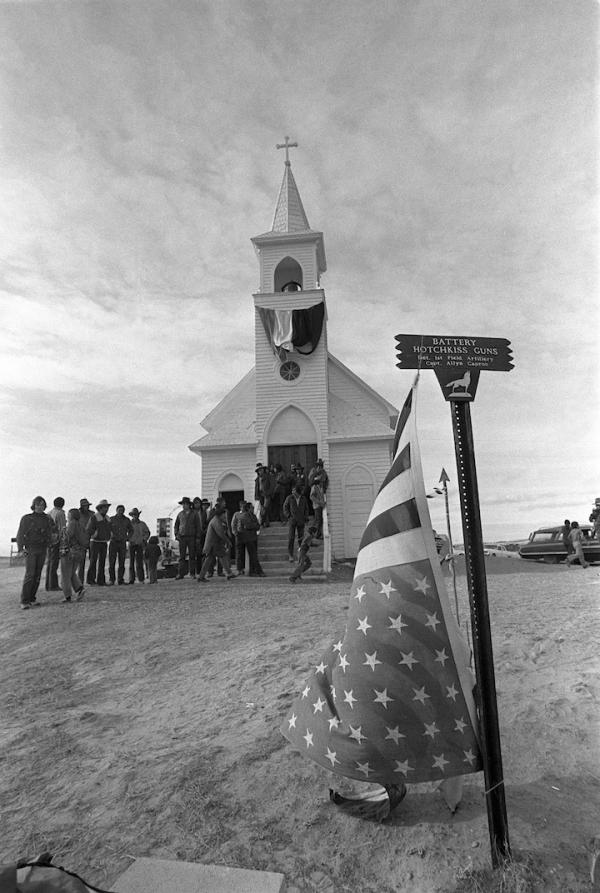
pixel 291 254
pixel 290 216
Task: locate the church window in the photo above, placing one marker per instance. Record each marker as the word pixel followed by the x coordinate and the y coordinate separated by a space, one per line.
pixel 288 275
pixel 289 370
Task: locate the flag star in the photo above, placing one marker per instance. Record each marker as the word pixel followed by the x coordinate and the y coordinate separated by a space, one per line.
pixel 386 588
pixel 421 585
pixel 469 757
pixel 364 625
pixel 371 660
pixel 343 662
pixel 394 734
pixel 306 691
pixel 452 692
pixel 408 660
pixel 320 668
pixel 338 646
pixel 432 621
pixel 382 697
pixel 349 699
pixel 292 721
pixel 357 734
pixel 403 767
pixel 333 723
pixel 318 705
pixel 331 756
pixel 364 767
pixel 442 657
pixel 460 725
pixel 420 694
pixel 332 692
pixel 431 729
pixel 439 762
pixel 360 594
pixel 396 623
pixel 308 738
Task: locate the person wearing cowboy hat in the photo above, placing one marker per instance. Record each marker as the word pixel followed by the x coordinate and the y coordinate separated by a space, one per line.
pixel 99 530
pixel 85 516
pixel 137 543
pixel 186 529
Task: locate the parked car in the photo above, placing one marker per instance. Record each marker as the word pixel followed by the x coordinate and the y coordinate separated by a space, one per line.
pixel 546 545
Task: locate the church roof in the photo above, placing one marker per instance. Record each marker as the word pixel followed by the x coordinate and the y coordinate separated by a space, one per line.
pixel 232 422
pixel 290 216
pixel 348 423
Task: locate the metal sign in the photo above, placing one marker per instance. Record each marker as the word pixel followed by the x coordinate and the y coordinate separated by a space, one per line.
pixel 452 353
pixel 456 360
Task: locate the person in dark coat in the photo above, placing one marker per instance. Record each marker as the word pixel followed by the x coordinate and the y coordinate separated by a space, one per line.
pixel 35 534
pixel 152 553
pixel 60 520
pixel 249 526
pixel 295 510
pixel 304 561
pixel 186 533
pixel 217 544
pixel 121 529
pixel 99 531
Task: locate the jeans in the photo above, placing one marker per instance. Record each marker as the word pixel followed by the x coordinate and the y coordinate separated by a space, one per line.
pixel 255 566
pixel 304 563
pixel 240 554
pixel 136 562
pixel 117 549
pixel 34 563
pixel 187 549
pixel 294 527
pixel 95 572
pixel 52 568
pixel 153 571
pixel 68 575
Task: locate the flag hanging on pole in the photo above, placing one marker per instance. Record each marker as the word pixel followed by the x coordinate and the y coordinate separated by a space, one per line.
pixel 391 701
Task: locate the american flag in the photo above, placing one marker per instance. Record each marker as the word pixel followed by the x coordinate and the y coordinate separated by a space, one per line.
pixel 391 701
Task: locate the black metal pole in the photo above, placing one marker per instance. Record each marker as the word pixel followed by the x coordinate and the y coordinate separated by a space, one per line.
pixel 482 636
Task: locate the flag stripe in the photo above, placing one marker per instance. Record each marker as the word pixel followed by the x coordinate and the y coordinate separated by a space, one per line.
pixel 401 463
pixel 402 420
pixel 401 490
pixel 398 519
pixel 377 554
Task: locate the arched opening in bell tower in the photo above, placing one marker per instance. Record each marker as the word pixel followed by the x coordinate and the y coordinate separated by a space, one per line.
pixel 288 275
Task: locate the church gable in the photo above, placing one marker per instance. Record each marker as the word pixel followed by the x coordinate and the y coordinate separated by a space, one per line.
pixel 355 393
pixel 233 420
pixel 346 422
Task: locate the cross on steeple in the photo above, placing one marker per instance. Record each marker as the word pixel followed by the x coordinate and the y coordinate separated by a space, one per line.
pixel 287 145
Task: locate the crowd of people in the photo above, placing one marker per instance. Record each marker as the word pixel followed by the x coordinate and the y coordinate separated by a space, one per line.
pixel 208 539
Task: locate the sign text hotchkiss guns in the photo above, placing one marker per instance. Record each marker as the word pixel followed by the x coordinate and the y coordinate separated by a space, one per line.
pixel 449 352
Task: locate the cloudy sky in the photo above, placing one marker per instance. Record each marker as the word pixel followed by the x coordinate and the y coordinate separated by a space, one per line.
pixel 447 151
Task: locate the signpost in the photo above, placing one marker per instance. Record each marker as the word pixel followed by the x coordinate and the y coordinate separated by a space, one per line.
pixel 457 363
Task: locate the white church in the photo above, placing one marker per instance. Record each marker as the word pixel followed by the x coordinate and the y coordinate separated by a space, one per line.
pixel 298 402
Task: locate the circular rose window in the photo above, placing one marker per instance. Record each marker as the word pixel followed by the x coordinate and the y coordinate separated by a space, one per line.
pixel 289 371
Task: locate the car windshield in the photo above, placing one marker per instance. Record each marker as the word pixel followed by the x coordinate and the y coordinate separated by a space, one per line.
pixel 541 536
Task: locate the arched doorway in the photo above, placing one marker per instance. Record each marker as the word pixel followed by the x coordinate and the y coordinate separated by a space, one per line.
pixel 292 439
pixel 358 495
pixel 231 489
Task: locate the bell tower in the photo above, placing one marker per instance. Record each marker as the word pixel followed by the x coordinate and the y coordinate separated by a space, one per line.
pixel 291 377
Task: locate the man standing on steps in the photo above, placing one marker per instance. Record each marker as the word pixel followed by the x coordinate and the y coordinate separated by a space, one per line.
pixel 295 511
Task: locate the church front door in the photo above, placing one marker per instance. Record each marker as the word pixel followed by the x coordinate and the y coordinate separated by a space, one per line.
pixel 292 454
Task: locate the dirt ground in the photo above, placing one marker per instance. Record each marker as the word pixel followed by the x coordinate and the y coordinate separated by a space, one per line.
pixel 144 722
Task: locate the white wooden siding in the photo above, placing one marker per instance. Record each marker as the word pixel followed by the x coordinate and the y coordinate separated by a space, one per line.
pixel 304 253
pixel 342 386
pixel 217 463
pixel 375 455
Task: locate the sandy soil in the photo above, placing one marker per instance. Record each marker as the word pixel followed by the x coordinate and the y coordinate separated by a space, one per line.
pixel 144 722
